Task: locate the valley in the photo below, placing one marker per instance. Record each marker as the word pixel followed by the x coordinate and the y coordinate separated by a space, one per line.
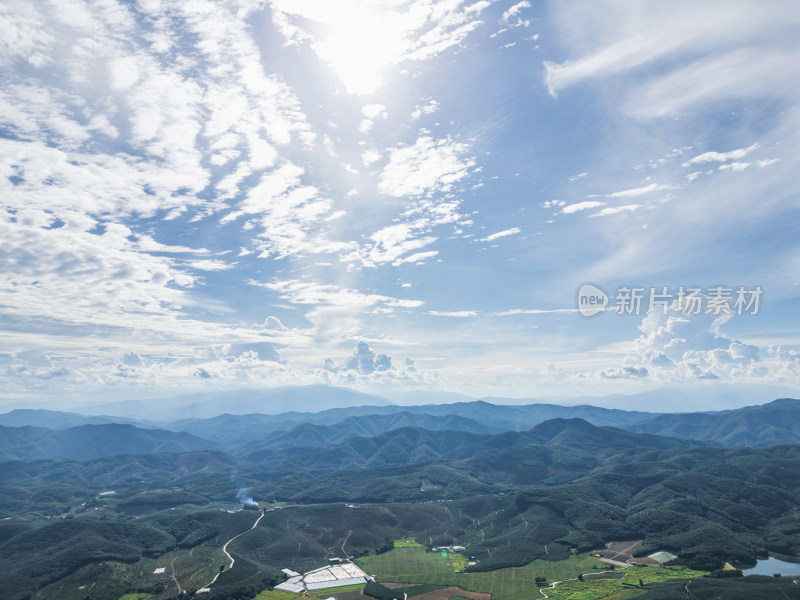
pixel 519 510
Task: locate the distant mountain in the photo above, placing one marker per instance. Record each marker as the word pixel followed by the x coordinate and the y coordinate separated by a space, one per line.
pixel 412 445
pixel 87 442
pixel 769 424
pixel 522 417
pixel 496 417
pixel 56 419
pixel 268 437
pixel 590 437
pixel 322 436
pixel 312 398
pixel 233 431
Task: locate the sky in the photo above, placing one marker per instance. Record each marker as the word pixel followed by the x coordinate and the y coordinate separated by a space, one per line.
pixel 400 195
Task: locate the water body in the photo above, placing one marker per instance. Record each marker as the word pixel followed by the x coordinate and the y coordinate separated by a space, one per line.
pixel 771 566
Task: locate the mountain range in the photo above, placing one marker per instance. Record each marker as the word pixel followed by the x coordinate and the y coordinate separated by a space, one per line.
pixel 513 483
pixel 38 434
pixel 86 442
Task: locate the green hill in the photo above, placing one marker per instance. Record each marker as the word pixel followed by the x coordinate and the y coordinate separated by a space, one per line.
pixel 770 424
pixel 93 441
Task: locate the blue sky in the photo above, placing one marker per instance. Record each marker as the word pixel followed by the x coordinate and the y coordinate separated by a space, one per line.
pixel 394 196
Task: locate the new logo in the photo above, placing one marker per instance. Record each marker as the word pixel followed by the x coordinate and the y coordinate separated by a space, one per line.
pixel 591 300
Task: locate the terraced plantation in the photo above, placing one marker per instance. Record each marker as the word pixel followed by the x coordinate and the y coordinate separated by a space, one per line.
pixel 413 564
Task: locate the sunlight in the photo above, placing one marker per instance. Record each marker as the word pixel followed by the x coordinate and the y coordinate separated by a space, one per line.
pixel 361 44
pixel 359 39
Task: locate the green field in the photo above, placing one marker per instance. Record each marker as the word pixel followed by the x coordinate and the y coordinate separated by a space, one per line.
pixel 407 543
pixel 415 565
pixel 327 592
pixel 656 574
pixel 275 595
pixel 604 589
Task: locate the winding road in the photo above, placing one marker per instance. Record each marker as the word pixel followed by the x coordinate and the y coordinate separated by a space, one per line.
pixel 225 550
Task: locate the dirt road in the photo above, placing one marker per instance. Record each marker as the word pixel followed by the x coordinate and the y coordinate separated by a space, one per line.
pixel 225 550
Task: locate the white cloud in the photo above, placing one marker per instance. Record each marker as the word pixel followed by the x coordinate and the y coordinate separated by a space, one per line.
pixel 515 10
pixel 370 156
pixel 553 204
pixel 500 234
pixel 289 213
pixel 624 372
pixel 363 360
pixel 692 176
pixel 641 191
pixel 512 19
pixel 679 56
pixel 364 367
pixel 373 111
pixel 616 210
pixel 721 156
pixel 579 206
pixel 122 120
pixel 678 346
pixel 735 166
pixel 416 257
pixel 767 162
pixel 533 311
pixel 425 167
pixel 271 323
pixel 425 109
pixel 459 314
pixel 390 243
pixel 22 37
pixel 300 292
pixel 211 265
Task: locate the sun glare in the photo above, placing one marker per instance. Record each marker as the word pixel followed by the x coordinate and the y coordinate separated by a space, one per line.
pixel 360 45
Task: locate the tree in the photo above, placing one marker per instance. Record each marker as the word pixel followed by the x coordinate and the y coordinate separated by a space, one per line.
pixel 580 576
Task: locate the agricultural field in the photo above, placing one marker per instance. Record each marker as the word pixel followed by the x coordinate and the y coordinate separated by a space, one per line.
pixel 415 565
pixel 275 595
pixel 619 589
pixel 407 543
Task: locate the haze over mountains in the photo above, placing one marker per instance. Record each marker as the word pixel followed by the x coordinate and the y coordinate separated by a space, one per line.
pixel 86 442
pixel 42 434
pixel 521 483
pixel 318 398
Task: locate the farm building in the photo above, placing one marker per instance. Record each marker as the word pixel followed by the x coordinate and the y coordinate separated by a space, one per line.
pixel 293 585
pixel 662 557
pixel 290 573
pixel 332 576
